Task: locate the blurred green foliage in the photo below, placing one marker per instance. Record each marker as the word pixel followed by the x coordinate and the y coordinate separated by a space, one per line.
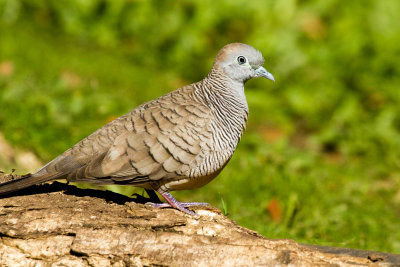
pixel 323 141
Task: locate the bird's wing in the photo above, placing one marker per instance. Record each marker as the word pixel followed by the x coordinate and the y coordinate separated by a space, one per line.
pixel 164 141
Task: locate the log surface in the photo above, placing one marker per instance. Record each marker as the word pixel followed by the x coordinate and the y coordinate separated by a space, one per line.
pixel 61 225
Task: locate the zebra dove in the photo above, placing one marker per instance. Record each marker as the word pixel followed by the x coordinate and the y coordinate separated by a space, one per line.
pixel 181 140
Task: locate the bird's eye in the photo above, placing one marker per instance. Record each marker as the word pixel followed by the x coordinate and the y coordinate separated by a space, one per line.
pixel 241 60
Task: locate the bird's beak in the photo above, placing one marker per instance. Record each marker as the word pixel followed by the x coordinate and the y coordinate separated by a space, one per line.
pixel 262 72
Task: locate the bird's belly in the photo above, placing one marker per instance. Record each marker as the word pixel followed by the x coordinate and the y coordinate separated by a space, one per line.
pixel 190 182
pixel 196 180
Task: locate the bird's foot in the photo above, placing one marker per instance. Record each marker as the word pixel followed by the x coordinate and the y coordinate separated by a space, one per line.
pixel 183 204
pixel 173 203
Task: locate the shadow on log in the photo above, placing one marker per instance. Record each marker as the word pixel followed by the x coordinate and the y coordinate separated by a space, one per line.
pixel 61 225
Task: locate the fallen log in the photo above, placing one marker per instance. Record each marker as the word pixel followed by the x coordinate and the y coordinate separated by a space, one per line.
pixel 61 225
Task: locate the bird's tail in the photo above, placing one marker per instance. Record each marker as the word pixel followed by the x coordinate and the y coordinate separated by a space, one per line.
pixel 24 182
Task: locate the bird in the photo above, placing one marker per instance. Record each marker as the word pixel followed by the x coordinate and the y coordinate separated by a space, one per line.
pixel 181 140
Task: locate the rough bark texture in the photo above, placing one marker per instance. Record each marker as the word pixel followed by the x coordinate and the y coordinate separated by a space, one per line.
pixel 60 225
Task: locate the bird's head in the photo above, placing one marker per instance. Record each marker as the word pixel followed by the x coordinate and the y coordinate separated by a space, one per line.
pixel 241 62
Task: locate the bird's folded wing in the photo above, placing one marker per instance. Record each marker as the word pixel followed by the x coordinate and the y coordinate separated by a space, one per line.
pixel 164 143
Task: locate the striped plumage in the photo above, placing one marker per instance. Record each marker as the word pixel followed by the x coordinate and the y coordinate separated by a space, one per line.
pixel 178 141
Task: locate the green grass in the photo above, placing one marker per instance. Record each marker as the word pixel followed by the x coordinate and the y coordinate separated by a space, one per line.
pixel 333 187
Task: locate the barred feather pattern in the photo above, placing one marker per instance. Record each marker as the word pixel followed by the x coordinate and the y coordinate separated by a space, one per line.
pixel 230 112
pixel 180 140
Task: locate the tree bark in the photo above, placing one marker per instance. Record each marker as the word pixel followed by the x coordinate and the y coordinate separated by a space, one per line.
pixel 61 225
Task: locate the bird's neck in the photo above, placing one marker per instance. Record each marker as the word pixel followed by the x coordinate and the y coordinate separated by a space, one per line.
pixel 226 98
pixel 224 86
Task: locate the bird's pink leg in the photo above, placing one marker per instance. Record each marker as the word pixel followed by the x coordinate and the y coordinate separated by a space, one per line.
pixel 172 202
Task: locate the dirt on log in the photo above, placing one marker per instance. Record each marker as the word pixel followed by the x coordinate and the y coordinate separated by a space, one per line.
pixel 61 225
